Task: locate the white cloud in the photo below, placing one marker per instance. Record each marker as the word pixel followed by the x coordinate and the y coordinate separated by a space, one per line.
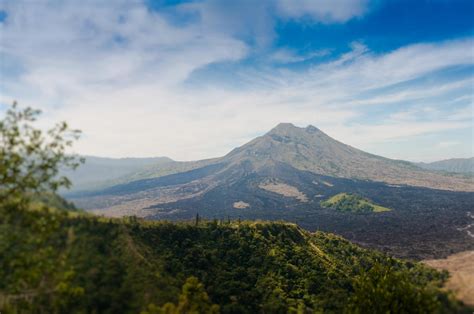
pixel 448 144
pixel 289 56
pixel 325 11
pixel 463 113
pixel 116 71
pixel 394 130
pixel 121 43
pixel 245 19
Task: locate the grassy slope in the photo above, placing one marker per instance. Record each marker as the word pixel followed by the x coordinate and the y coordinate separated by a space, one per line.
pixel 338 202
pixel 57 261
pixel 461 269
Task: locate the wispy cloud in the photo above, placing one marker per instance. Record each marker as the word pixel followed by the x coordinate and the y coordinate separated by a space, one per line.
pixel 118 71
pixel 448 144
pixel 288 56
pixel 323 10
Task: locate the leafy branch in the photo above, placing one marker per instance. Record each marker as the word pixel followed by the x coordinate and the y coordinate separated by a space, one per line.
pixel 30 159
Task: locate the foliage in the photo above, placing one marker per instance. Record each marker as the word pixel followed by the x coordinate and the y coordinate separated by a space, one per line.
pixel 51 200
pixel 193 300
pixel 30 158
pixel 33 263
pixel 349 202
pixel 58 261
pixel 383 289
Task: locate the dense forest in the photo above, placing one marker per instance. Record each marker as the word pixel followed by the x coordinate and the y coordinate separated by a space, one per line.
pixel 58 261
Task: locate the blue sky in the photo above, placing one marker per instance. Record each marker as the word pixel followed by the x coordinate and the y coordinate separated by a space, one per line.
pixel 193 79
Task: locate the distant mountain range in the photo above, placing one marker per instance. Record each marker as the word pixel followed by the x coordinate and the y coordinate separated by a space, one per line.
pixel 455 165
pixel 307 149
pixel 98 172
pixel 285 174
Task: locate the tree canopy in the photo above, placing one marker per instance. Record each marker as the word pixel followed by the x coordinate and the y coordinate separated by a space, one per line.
pixel 30 158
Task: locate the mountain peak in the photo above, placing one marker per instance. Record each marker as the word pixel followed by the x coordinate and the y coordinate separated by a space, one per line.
pixel 312 129
pixel 284 126
pixel 290 127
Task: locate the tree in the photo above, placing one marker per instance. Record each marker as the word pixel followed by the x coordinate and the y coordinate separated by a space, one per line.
pixel 192 300
pixel 196 222
pixel 30 159
pixel 34 272
pixel 383 289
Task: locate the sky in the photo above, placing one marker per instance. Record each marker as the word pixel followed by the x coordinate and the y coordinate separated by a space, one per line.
pixel 194 79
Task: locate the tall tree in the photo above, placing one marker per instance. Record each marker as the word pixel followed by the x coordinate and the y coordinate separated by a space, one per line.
pixel 30 159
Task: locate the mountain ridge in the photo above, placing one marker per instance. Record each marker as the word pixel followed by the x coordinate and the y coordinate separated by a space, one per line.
pixel 310 149
pixel 454 165
pixel 97 172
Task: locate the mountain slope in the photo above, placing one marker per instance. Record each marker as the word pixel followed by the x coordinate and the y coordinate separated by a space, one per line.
pixel 74 263
pixel 307 149
pixel 312 150
pixel 459 165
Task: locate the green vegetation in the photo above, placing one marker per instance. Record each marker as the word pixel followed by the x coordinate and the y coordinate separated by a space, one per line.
pixel 57 261
pixel 30 158
pixel 349 202
pixel 193 299
pixel 53 260
pixel 52 201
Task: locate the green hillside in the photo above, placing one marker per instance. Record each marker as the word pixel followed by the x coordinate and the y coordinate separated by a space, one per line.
pixel 349 202
pixel 63 262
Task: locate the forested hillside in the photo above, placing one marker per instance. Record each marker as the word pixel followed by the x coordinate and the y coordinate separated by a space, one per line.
pixel 55 261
